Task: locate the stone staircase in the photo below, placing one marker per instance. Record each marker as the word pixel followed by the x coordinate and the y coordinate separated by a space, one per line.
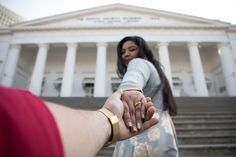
pixel 205 127
pixel 206 134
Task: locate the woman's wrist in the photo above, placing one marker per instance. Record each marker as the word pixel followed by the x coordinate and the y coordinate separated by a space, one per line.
pixel 132 89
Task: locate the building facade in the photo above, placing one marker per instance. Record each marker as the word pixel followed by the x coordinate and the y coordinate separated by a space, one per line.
pixel 74 54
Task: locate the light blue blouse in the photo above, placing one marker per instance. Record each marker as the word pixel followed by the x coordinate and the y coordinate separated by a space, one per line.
pixel 160 140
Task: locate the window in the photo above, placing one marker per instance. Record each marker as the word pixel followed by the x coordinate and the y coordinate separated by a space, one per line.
pixel 88 86
pixel 177 81
pixel 57 84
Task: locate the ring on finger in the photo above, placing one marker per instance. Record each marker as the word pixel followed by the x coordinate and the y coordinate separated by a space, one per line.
pixel 137 104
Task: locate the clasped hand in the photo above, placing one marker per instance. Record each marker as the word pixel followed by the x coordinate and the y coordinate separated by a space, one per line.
pixel 134 110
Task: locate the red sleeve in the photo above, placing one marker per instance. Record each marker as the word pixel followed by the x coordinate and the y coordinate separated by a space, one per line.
pixel 27 128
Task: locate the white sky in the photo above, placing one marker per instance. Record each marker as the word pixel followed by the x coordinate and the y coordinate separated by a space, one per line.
pixel 223 10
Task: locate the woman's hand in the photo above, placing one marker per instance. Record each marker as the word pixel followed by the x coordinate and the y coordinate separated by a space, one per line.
pixel 121 107
pixel 134 105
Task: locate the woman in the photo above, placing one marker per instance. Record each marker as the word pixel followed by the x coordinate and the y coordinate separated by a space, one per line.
pixel 139 69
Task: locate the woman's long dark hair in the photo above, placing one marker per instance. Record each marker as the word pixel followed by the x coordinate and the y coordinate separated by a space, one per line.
pixel 146 53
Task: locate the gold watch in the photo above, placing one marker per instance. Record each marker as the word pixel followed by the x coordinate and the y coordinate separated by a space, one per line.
pixel 114 121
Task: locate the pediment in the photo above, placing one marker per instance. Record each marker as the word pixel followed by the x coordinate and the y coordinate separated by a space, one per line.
pixel 119 15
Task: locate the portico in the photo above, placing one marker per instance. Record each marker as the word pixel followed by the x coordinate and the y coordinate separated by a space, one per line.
pixel 100 72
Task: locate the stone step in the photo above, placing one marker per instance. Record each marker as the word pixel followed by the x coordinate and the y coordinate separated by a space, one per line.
pixel 206 139
pixel 106 151
pixel 205 124
pixel 205 113
pixel 205 120
pixel 212 130
pixel 216 127
pixel 203 104
pixel 205 117
pixel 208 149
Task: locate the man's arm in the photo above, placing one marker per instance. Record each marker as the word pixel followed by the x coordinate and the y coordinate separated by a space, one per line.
pixel 83 132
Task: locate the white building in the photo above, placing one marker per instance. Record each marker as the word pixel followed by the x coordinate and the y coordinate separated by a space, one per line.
pixel 74 54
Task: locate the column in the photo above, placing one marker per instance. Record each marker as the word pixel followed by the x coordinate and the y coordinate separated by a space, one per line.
pixel 68 75
pixel 38 71
pixel 10 65
pixel 233 51
pixel 100 76
pixel 165 61
pixel 228 68
pixel 197 70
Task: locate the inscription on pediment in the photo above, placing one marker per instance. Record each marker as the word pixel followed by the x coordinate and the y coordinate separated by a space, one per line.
pixel 118 20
